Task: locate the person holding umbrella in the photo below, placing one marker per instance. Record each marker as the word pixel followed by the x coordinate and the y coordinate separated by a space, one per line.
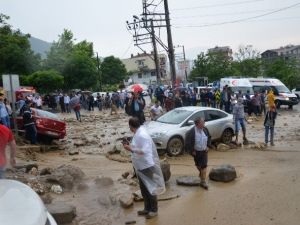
pixel 75 105
pixel 137 105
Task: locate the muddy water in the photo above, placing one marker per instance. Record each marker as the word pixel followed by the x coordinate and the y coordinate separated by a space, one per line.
pixel 266 191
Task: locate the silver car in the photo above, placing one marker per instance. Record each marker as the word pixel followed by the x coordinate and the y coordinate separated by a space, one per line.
pixel 168 131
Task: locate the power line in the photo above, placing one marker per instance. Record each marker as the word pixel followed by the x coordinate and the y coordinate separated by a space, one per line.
pixel 129 46
pixel 265 20
pixel 222 14
pixel 217 5
pixel 241 20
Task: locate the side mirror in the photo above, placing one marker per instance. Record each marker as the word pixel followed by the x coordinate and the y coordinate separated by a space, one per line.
pixel 190 122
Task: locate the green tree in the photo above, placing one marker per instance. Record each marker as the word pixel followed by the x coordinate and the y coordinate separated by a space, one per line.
pixel 200 68
pixel 46 81
pixel 60 51
pixel 113 70
pixel 247 62
pixel 80 71
pixel 287 70
pixel 213 65
pixel 15 52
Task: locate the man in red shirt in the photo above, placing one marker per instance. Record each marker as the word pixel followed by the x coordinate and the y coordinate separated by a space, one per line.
pixel 6 138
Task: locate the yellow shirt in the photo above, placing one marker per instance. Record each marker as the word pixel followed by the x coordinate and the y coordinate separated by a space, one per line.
pixel 271 99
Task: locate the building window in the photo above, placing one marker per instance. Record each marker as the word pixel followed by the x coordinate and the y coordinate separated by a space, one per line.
pixel 140 75
pixel 153 74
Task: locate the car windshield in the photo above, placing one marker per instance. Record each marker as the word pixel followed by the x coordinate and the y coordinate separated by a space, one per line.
pixel 175 116
pixel 281 89
pixel 45 114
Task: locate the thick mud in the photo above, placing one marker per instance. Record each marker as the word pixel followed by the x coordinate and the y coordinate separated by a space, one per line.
pixel 265 192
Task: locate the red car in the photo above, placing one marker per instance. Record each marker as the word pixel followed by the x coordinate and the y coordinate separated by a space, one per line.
pixel 47 124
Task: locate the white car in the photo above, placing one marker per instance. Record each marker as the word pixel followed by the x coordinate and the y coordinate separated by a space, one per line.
pixel 20 205
pixel 168 131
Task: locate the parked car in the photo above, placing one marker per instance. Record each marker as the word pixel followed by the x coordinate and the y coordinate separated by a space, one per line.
pixel 19 204
pixel 48 124
pixel 296 91
pixel 168 131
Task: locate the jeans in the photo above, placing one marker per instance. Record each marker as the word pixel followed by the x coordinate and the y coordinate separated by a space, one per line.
pixel 77 113
pixel 2 172
pixel 227 107
pixel 67 107
pixel 267 128
pixel 5 121
pixel 31 133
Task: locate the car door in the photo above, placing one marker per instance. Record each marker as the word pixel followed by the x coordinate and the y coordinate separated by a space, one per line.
pixel 214 121
pixel 186 127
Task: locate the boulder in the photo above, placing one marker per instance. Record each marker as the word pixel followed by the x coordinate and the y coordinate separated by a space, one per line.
pixel 223 147
pixel 65 176
pixel 79 142
pixel 26 166
pixel 73 151
pixel 188 181
pixel 126 200
pixel 116 149
pixel 259 146
pixel 223 173
pixel 34 171
pixel 165 168
pixel 125 174
pixel 62 212
pixel 57 189
pixel 46 171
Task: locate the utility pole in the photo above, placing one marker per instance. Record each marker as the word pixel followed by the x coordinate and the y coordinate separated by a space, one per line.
pixel 185 72
pixel 170 43
pixel 144 32
pixel 156 60
pixel 99 73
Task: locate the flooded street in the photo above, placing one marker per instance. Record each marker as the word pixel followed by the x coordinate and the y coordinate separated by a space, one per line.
pixel 265 192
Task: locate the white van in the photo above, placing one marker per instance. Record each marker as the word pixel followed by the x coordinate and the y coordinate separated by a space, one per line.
pixel 283 95
pixel 237 84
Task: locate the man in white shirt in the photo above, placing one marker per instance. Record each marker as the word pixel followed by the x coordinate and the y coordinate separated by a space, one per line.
pixel 67 102
pixel 146 164
pixel 197 139
pixel 38 102
pixel 156 110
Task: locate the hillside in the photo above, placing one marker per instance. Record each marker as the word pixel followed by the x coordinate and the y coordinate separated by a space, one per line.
pixel 39 46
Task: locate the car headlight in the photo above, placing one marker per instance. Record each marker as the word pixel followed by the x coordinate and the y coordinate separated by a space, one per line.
pixel 158 134
pixel 287 98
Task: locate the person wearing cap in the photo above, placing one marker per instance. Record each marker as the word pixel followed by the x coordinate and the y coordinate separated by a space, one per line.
pixel 4 116
pixel 239 119
pixel 28 121
pixel 6 139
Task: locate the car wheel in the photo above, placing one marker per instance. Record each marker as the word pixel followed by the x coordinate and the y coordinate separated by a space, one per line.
pixel 277 103
pixel 290 106
pixel 227 136
pixel 175 146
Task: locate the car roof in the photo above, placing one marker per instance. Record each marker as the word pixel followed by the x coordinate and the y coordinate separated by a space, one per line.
pixel 20 204
pixel 196 108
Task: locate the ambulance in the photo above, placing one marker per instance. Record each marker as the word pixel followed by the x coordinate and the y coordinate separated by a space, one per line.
pixel 283 95
pixel 237 84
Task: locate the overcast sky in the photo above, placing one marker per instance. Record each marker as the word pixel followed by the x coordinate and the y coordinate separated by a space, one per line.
pixel 195 23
